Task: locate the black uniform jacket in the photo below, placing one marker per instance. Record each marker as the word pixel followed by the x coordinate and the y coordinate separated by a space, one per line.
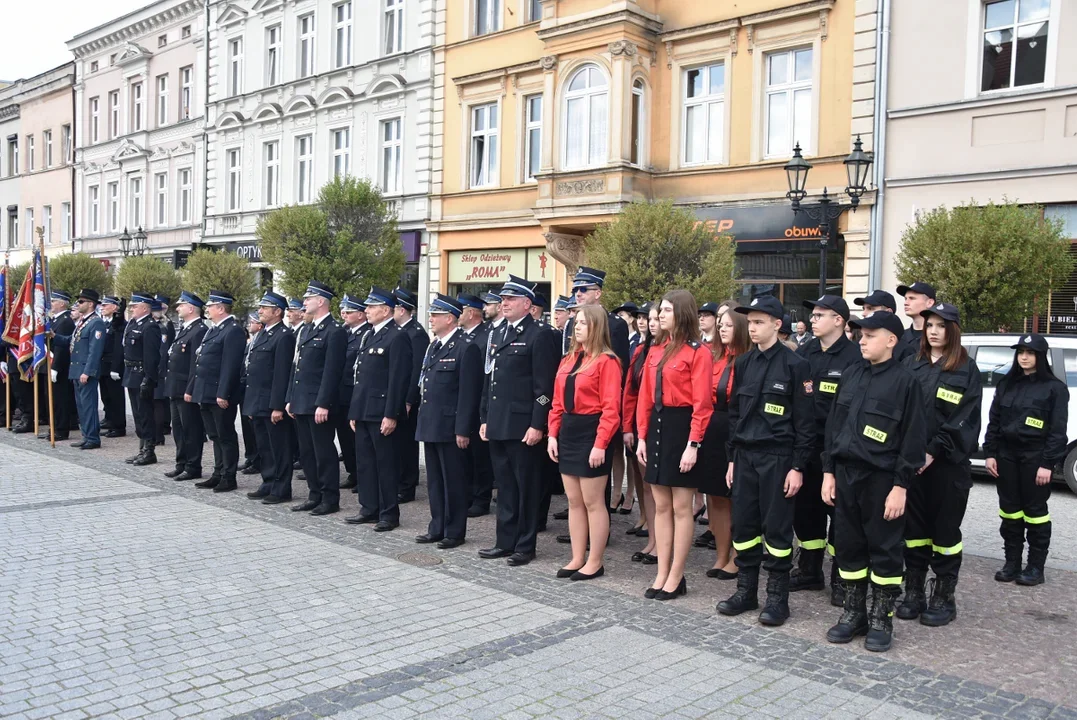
pixel 316 366
pixel 382 375
pixel 1028 420
pixel 141 352
pixel 419 342
pixel 218 363
pixel 112 357
pixel 269 371
pixel 62 324
pixel 451 390
pixel 519 389
pixel 168 336
pixel 347 378
pixel 180 360
pixel 826 367
pixel 951 408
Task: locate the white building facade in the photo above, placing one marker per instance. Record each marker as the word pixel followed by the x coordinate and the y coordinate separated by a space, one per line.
pixel 301 91
pixel 139 111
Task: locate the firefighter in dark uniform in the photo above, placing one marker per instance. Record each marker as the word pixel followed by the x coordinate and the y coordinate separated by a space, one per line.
pixel 353 313
pixel 268 370
pixel 1026 439
pixel 252 453
pixel 316 367
pixel 480 472
pixel 404 315
pixel 215 385
pixel 141 357
pixel 587 290
pixel 162 416
pixel 828 353
pixel 63 400
pixel 450 385
pixel 115 422
pixel 515 405
pixel 377 412
pixel 295 324
pixel 771 438
pixel 552 482
pixel 918 297
pixel 188 432
pixel 875 444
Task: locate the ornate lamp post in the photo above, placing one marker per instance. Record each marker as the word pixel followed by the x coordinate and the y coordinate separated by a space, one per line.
pixel 139 247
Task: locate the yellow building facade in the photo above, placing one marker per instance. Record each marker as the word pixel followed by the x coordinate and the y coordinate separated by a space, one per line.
pixel 552 115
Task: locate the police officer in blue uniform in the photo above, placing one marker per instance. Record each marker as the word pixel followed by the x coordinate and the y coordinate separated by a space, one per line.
pixel 188 432
pixel 450 385
pixel 141 356
pixel 115 407
pixel 269 371
pixel 353 313
pixel 317 365
pixel 383 371
pixel 86 345
pixel 404 314
pixel 480 471
pixel 216 387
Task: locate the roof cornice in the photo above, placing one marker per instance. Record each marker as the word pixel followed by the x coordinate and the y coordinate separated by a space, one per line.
pixel 133 26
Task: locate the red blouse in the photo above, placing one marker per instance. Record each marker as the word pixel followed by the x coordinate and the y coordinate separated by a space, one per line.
pixel 686 382
pixel 598 390
pixel 716 377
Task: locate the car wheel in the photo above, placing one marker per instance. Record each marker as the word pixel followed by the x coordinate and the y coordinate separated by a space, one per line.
pixel 1070 470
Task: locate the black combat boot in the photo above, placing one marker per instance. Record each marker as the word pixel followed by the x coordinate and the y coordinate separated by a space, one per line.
pixel 941 608
pixel 1039 540
pixel 881 618
pixel 1012 568
pixel 148 456
pixel 747 595
pixel 140 453
pixel 854 621
pixel 776 611
pixel 837 587
pixel 808 574
pixel 915 601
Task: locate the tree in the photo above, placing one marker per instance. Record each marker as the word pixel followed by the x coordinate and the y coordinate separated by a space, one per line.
pixel 211 270
pixel 654 247
pixel 146 274
pixel 16 274
pixel 996 263
pixel 75 272
pixel 348 240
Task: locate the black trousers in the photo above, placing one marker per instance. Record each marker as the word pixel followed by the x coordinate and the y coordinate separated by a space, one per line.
pixel 319 456
pixel 63 399
pixel 377 463
pixel 866 541
pixel 162 416
pixel 448 487
pixel 520 487
pixel 762 515
pixel 1023 507
pixel 251 442
pixel 346 438
pixel 480 472
pixel 409 451
pixel 277 464
pixel 142 410
pixel 189 435
pixel 112 399
pixel 934 508
pixel 810 513
pixel 220 427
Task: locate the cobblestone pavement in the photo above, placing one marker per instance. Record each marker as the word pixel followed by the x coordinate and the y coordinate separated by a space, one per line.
pixel 124 594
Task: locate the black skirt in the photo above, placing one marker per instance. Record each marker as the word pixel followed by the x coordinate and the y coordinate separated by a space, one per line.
pixel 713 456
pixel 577 438
pixel 666 441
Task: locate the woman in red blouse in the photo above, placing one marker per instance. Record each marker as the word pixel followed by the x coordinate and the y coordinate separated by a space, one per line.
pixel 730 341
pixel 672 415
pixel 584 419
pixel 628 421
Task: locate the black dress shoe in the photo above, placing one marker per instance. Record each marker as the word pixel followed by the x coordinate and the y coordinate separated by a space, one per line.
pixel 566 573
pixel 301 475
pixel 403 498
pixel 450 543
pixel 274 500
pixel 226 486
pixel 477 511
pixel 210 482
pixel 258 494
pixel 517 559
pixel 361 519
pixel 385 526
pixel 246 464
pixel 585 576
pixel 721 574
pixel 24 428
pixel 493 553
pixel 564 539
pixel 649 559
pixel 149 458
pixel 305 507
pixel 325 509
pixel 251 471
pixel 114 433
pixel 297 465
pixel 90 446
pixel 427 538
pixel 174 473
pixel 682 589
pixel 187 476
pixel 561 515
pixel 349 482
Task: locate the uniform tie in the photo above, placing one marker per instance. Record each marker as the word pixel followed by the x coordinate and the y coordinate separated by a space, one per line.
pixel 570 385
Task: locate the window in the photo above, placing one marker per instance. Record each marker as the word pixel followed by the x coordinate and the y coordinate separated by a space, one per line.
pixel 306 46
pixel 534 10
pixel 114 206
pixel 46 223
pixel 95 118
pixel 185 32
pixel 636 151
pixel 1010 65
pixel 65 139
pixel 65 222
pixel 112 59
pixel 12 156
pixel 394 26
pixel 12 227
pixel 135 201
pixel 113 114
pixel 304 168
pixel 586 113
pixel 271 158
pixel 47 137
pixel 31 161
pixel 788 102
pixel 94 217
pixel 29 227
pixel 532 136
pixel 184 195
pixel 160 206
pixel 235 66
pixel 186 92
pixel 484 145
pixel 93 66
pixel 704 114
pixel 391 148
pixel 136 106
pixel 234 179
pixel 487 16
pixel 342 34
pixel 162 40
pixel 341 151
pixel 273 55
pixel 162 100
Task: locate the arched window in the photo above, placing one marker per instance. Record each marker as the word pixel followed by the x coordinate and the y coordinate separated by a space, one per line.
pixel 586 119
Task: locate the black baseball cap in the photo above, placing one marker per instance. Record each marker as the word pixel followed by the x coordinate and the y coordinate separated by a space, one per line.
pixel 878 298
pixel 947 311
pixel 765 304
pixel 884 320
pixel 1033 342
pixel 787 325
pixel 830 302
pixel 917 287
pixel 709 307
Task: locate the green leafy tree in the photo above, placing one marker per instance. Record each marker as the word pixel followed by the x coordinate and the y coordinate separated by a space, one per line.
pixel 997 263
pixel 16 274
pixel 74 272
pixel 347 240
pixel 147 274
pixel 211 270
pixel 654 247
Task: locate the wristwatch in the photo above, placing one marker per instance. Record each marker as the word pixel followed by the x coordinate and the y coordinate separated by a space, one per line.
pixel 694 444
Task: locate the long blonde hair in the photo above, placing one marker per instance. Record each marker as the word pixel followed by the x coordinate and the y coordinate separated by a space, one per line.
pixel 598 335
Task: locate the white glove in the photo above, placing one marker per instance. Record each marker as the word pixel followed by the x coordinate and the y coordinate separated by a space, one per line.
pixel 3 366
pixel 52 373
pixel 115 376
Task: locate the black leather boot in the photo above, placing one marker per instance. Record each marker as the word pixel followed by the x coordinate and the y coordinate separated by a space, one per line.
pixel 881 618
pixel 854 621
pixel 776 611
pixel 136 456
pixel 747 595
pixel 941 608
pixel 1031 575
pixel 808 575
pixel 837 586
pixel 914 602
pixel 148 456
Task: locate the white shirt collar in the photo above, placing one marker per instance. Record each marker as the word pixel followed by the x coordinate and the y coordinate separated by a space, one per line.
pixel 446 338
pixel 318 322
pixel 383 323
pixel 272 326
pixel 188 323
pixel 497 323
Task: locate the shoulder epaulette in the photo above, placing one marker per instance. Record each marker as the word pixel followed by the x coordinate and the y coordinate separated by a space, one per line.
pixel 694 344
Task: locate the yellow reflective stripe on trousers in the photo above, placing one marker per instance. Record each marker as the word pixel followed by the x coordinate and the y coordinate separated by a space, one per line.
pixel 918 542
pixel 747 545
pixel 1011 516
pixel 952 550
pixel 880 580
pixel 775 552
pixel 1038 520
pixel 832 550
pixel 853 574
pixel 812 544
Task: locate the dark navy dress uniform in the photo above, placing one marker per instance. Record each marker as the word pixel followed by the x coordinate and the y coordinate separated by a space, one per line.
pixel 63 393
pixel 86 347
pixel 115 407
pixel 162 416
pixel 188 432
pixel 141 357
pixel 345 434
pixel 409 446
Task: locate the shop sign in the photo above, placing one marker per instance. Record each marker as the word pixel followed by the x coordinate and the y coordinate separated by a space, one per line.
pixel 249 251
pixel 486 266
pixel 539 265
pixel 762 223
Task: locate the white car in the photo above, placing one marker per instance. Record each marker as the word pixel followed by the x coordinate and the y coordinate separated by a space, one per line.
pixel 993 357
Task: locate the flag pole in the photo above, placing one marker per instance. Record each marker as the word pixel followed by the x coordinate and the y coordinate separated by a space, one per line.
pixel 3 346
pixel 48 341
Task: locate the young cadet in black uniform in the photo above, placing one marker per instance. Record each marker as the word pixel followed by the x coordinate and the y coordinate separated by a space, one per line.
pixel 771 439
pixel 317 365
pixel 404 315
pixel 875 442
pixel 188 432
pixel 480 472
pixel 828 353
pixel 112 401
pixel 215 385
pixel 1026 439
pixel 353 313
pixel 450 386
pixel 515 404
pixel 918 297
pixel 162 417
pixel 378 412
pixel 950 384
pixel 269 369
pixel 141 355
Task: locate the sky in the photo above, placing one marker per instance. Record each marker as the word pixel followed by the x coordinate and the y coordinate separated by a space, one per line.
pixel 34 33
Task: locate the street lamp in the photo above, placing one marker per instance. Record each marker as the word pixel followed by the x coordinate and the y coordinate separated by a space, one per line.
pixel 827 210
pixel 140 243
pixel 125 242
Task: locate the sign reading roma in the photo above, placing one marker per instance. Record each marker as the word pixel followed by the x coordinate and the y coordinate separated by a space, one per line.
pixel 486 266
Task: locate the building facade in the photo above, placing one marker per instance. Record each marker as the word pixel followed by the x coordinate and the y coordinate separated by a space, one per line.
pixel 303 91
pixel 139 107
pixel 554 114
pixel 36 124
